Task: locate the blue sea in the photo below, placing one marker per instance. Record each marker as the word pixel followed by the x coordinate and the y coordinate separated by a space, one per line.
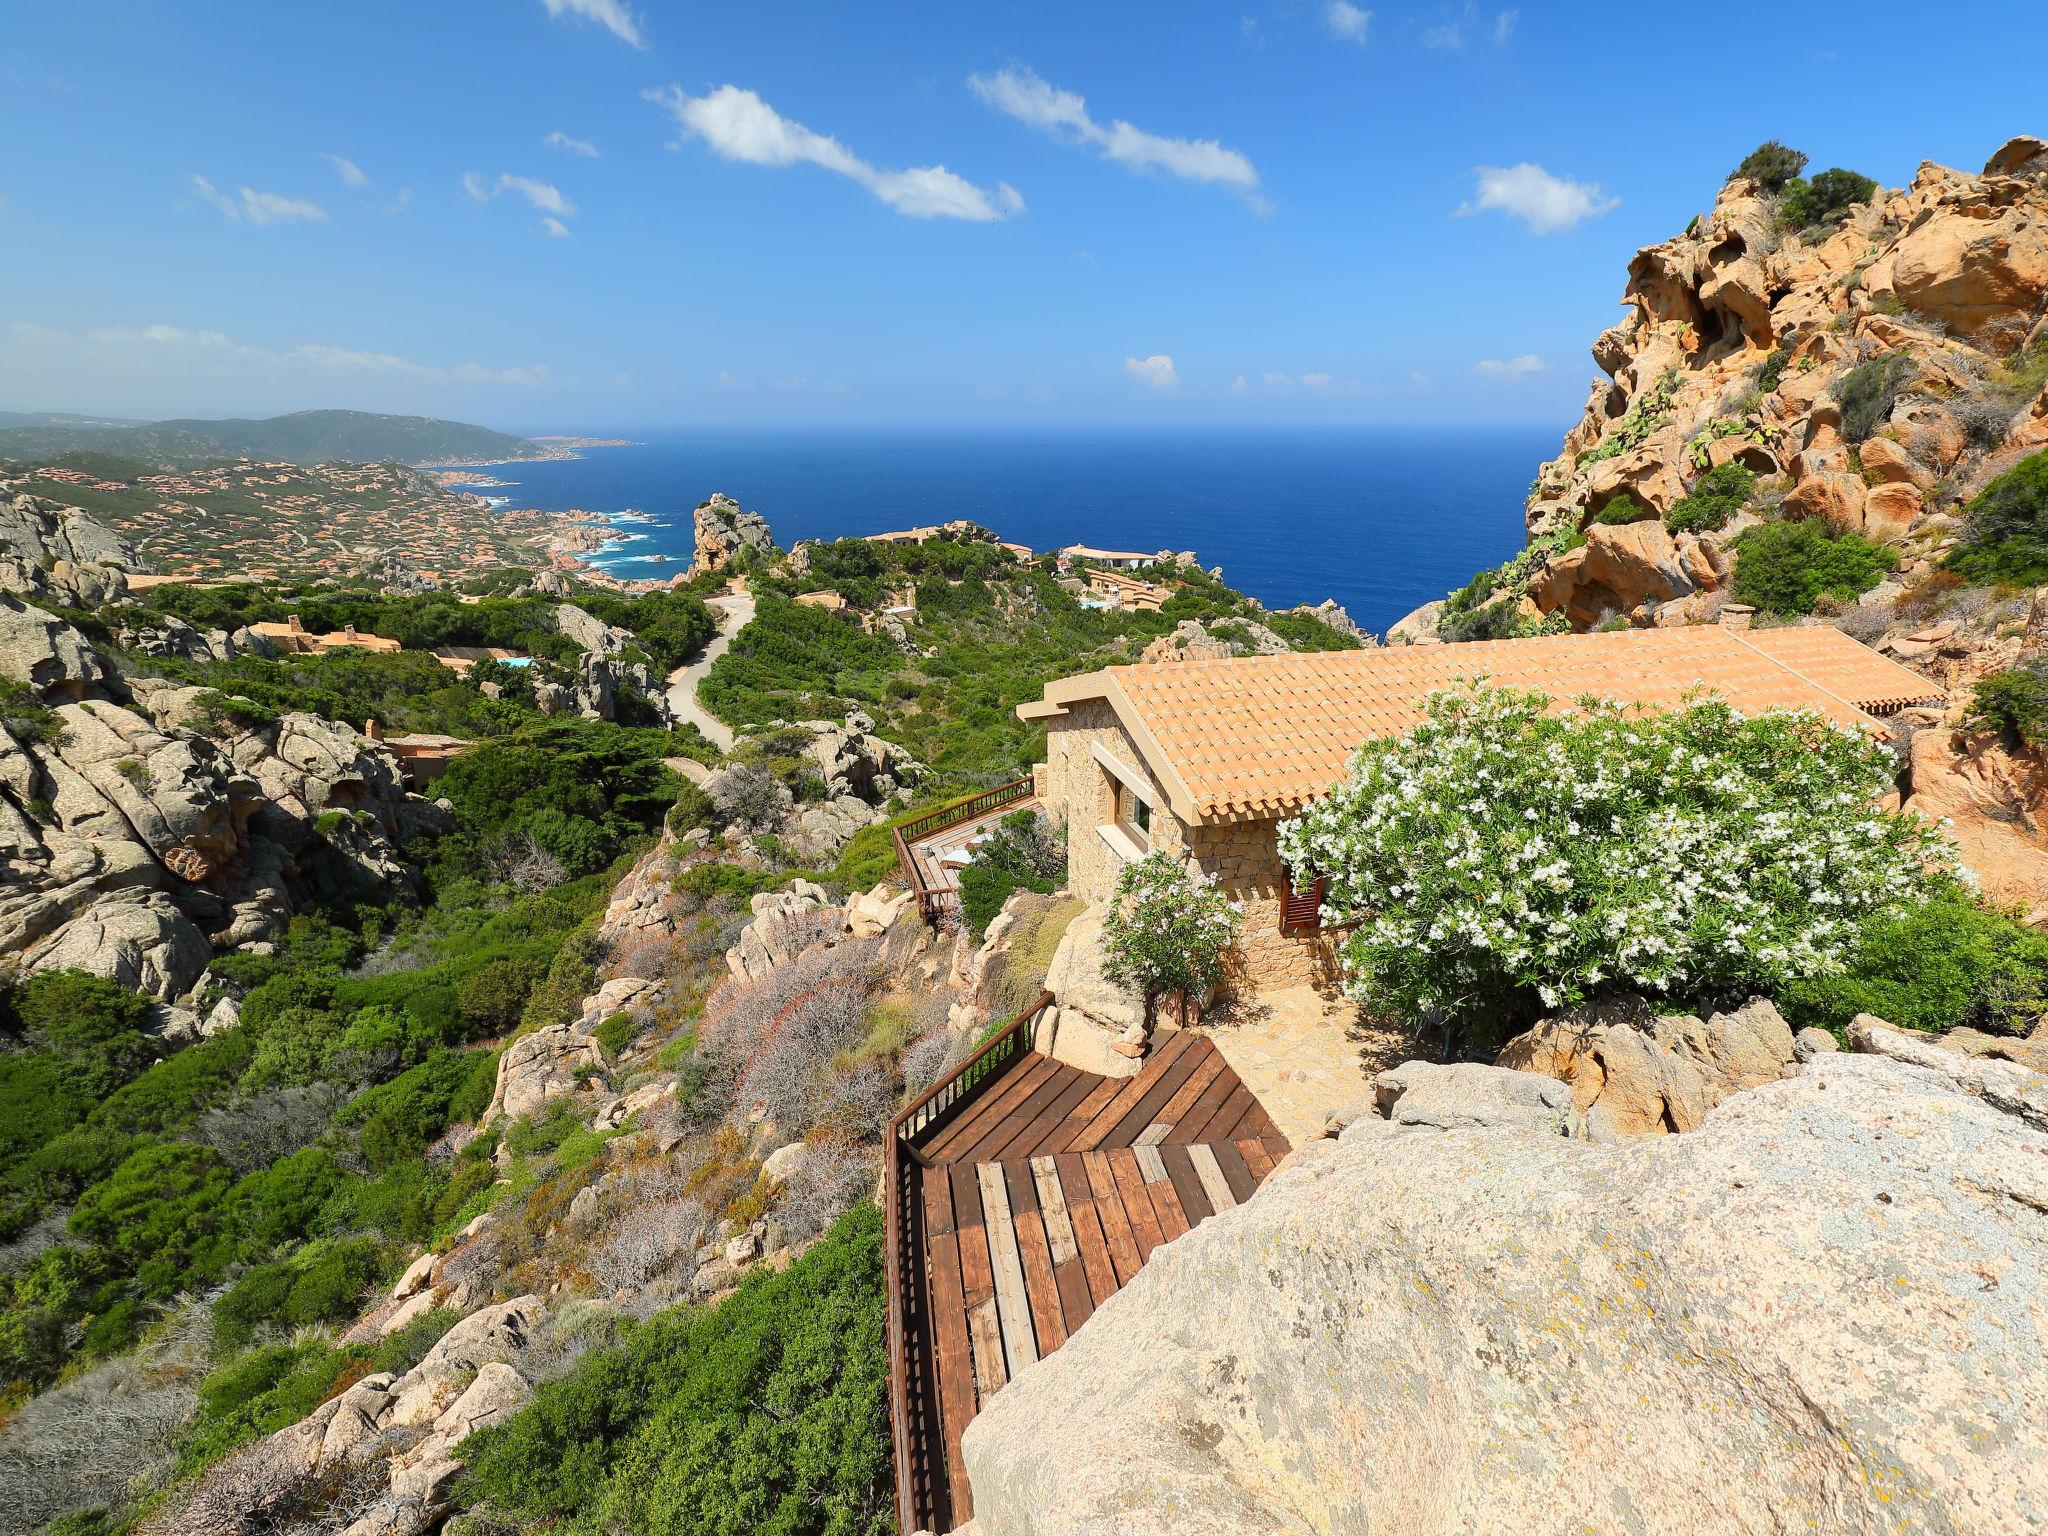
pixel 1380 519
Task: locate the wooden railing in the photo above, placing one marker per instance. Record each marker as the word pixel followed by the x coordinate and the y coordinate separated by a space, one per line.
pixel 923 1485
pixel 934 899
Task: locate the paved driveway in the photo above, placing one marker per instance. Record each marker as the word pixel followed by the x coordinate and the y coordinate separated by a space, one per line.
pixel 734 614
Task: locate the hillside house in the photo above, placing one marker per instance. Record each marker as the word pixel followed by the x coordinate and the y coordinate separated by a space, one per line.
pixel 1115 559
pixel 1203 759
pixel 1116 590
pixel 293 636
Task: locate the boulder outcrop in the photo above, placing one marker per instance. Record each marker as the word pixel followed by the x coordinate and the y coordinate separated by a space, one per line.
pixel 1824 1308
pixel 725 531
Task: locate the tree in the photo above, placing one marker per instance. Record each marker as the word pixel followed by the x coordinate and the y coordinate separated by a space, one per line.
pixel 2005 528
pixel 1503 858
pixel 1824 199
pixel 1167 930
pixel 1787 568
pixel 1770 166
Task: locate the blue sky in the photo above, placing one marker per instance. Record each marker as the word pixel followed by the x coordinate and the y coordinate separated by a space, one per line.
pixel 628 214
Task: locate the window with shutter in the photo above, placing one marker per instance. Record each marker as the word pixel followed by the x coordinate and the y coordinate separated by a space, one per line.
pixel 1301 903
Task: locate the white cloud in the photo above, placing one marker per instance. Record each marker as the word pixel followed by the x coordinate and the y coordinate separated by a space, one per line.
pixel 1156 371
pixel 560 140
pixel 257 207
pixel 351 174
pixel 1419 382
pixel 1546 203
pixel 1020 93
pixel 1347 21
pixel 736 124
pixel 1238 386
pixel 126 350
pixel 1513 368
pixel 615 16
pixel 1319 382
pixel 1458 25
pixel 545 197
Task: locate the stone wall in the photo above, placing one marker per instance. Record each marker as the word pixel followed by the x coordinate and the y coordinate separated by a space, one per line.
pixel 1243 857
pixel 1079 793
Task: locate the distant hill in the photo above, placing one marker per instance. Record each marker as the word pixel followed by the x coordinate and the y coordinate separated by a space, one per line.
pixel 304 437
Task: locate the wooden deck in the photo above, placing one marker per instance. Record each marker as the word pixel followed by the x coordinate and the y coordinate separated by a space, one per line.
pixel 1031 1203
pixel 923 843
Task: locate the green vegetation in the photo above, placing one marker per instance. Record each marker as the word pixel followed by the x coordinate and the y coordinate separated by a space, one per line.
pixel 1166 931
pixel 768 1413
pixel 1771 166
pixel 2014 703
pixel 1944 964
pixel 1623 509
pixel 1789 568
pixel 1021 853
pixel 1488 606
pixel 304 437
pixel 1719 494
pixel 1803 204
pixel 2005 528
pixel 1645 419
pixel 1565 880
pixel 1868 391
pixel 25 717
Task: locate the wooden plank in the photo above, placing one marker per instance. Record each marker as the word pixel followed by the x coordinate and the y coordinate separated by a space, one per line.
pixel 1052 1205
pixel 1077 1120
pixel 1098 1130
pixel 952 1350
pixel 987 1111
pixel 1038 1119
pixel 1116 1221
pixel 977 1280
pixel 1228 1113
pixel 1209 1169
pixel 1242 1184
pixel 1174 1221
pixel 1013 1302
pixel 1248 1122
pixel 1077 1305
pixel 1089 1238
pixel 1150 1163
pixel 1256 1159
pixel 1187 1184
pixel 1194 1125
pixel 1276 1147
pixel 1153 1134
pixel 985 1333
pixel 1130 1185
pixel 1146 1109
pixel 1040 1288
pixel 1175 1109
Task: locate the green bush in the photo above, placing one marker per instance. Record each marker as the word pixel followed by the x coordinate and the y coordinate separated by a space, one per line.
pixel 693 809
pixel 2005 528
pixel 322 1283
pixel 1787 568
pixel 615 1034
pixel 492 997
pixel 1824 199
pixel 259 1392
pixel 767 1413
pixel 1770 165
pixel 1719 494
pixel 27 718
pixel 1021 853
pixel 1948 963
pixel 159 1216
pixel 1692 854
pixel 1166 930
pixel 1623 509
pixel 1868 392
pixel 2014 703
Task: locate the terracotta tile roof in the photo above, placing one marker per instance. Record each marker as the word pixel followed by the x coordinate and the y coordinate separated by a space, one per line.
pixel 1260 736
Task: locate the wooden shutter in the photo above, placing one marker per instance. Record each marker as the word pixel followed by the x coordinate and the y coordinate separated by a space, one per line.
pixel 1301 904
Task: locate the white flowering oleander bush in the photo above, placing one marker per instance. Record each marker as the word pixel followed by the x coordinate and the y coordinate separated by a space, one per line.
pixel 1503 858
pixel 1166 929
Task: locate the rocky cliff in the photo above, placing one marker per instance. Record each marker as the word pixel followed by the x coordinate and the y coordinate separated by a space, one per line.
pixel 724 532
pixel 1822 1309
pixel 1737 345
pixel 145 826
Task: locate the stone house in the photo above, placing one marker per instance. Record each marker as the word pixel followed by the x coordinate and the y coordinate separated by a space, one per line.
pixel 1202 760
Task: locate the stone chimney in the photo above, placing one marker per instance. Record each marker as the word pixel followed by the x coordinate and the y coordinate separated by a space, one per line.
pixel 373 730
pixel 1736 615
pixel 297 628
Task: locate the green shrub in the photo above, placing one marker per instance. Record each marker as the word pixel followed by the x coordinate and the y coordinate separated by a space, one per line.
pixel 399 1352
pixel 766 1413
pixel 2014 703
pixel 1868 391
pixel 1166 930
pixel 262 1391
pixel 1623 509
pixel 1719 494
pixel 1948 963
pixel 1787 568
pixel 1021 853
pixel 158 1215
pixel 2005 528
pixel 1692 854
pixel 615 1034
pixel 322 1283
pixel 1824 199
pixel 31 722
pixel 1773 369
pixel 493 997
pixel 1770 165
pixel 693 809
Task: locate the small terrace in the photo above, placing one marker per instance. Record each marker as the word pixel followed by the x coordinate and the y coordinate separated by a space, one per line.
pixel 932 849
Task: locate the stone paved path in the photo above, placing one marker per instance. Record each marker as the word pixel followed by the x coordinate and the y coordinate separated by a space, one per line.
pixel 734 613
pixel 1303 1055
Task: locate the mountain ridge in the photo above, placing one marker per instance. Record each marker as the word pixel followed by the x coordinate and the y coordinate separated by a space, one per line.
pixel 298 437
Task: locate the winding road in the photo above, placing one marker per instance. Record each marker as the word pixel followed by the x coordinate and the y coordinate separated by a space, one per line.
pixel 734 614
